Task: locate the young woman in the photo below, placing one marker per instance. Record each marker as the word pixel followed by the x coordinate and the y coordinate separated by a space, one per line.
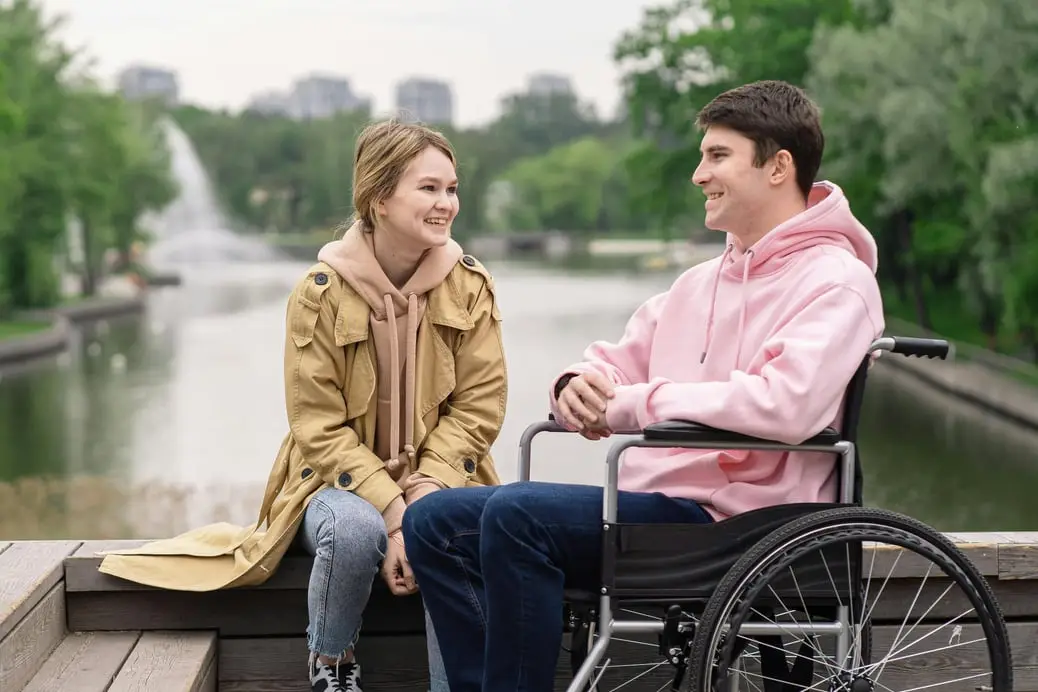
pixel 395 387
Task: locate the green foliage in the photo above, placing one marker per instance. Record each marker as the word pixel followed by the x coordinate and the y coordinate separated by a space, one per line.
pixel 70 152
pixel 682 55
pixel 284 176
pixel 580 186
pixel 931 119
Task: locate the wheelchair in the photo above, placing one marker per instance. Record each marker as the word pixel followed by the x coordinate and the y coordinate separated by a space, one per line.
pixel 746 602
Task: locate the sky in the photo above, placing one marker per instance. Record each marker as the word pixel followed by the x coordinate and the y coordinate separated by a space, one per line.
pixel 225 51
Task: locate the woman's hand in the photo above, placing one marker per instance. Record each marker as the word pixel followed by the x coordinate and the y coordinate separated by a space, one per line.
pixel 396 570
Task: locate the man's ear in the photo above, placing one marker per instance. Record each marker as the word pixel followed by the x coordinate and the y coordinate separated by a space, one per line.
pixel 782 167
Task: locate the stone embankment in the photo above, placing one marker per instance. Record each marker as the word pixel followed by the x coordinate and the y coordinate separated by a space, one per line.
pixel 1003 386
pixel 55 339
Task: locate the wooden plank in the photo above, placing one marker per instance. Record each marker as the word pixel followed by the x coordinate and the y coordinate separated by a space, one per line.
pixel 299 685
pixel 81 570
pixel 1017 598
pixel 233 612
pixel 932 656
pixel 174 661
pixel 1015 537
pixel 387 662
pixel 86 661
pixel 1017 561
pixel 897 563
pixel 982 549
pixel 32 640
pixel 28 571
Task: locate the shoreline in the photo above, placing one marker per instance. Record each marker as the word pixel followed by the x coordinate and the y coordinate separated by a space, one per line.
pixel 975 385
pixel 55 339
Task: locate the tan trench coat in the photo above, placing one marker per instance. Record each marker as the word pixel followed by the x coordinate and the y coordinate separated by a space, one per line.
pixel 460 404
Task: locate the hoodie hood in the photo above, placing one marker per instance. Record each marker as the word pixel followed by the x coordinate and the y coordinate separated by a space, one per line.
pixel 395 318
pixel 827 221
pixel 353 258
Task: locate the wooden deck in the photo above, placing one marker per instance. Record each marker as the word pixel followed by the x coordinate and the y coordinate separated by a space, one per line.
pixel 65 626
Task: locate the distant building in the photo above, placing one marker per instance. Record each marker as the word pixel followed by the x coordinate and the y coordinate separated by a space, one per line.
pixel 269 103
pixel 427 100
pixel 546 83
pixel 320 96
pixel 139 82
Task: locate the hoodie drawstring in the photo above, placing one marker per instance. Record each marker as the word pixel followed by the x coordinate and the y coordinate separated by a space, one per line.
pixel 713 302
pixel 394 462
pixel 742 300
pixel 742 305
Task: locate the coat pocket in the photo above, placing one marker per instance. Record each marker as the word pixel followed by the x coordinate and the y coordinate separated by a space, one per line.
pixel 303 324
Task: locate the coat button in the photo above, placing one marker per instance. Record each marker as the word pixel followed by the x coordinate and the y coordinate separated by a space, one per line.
pixel 470 466
pixel 321 279
pixel 345 479
pixel 306 473
pixel 469 260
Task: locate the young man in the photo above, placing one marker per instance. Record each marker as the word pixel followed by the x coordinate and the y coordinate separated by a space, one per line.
pixel 761 340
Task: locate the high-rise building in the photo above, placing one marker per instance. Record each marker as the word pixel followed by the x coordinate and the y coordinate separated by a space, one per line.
pixel 427 100
pixel 269 103
pixel 321 96
pixel 546 83
pixel 138 82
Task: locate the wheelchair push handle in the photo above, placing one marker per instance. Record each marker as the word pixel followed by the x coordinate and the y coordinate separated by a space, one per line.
pixel 919 347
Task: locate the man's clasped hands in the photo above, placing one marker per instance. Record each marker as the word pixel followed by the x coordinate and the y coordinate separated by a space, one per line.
pixel 583 403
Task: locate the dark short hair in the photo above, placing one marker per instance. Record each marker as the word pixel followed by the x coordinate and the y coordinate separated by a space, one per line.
pixel 776 115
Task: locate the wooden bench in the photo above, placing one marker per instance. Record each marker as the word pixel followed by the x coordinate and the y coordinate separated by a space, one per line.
pixel 63 625
pixel 258 632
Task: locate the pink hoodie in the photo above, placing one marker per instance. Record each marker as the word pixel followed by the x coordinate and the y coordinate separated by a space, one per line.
pixel 761 342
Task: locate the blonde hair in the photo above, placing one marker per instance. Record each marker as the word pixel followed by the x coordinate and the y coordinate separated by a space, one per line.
pixel 384 150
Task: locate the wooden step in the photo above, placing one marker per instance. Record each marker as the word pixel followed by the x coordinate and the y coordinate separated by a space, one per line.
pixel 174 661
pixel 130 662
pixel 85 661
pixel 100 602
pixel 32 607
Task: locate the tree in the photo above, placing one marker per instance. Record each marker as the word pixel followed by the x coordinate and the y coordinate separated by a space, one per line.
pixel 71 153
pixel 932 113
pixel 682 55
pixel 36 180
pixel 579 186
pixel 283 175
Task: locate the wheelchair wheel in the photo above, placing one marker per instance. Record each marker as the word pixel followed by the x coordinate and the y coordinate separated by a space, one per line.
pixel 898 606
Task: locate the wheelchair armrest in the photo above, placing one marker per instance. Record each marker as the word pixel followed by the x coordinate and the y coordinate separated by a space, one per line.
pixel 687 431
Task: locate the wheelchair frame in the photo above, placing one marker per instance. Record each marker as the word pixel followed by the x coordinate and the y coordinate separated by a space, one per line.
pixel 660 436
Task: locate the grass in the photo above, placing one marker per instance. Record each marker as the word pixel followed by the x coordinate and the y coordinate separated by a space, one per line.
pixel 16 328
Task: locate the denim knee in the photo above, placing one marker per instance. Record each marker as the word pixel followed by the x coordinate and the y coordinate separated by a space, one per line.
pixel 508 506
pixel 421 517
pixel 354 532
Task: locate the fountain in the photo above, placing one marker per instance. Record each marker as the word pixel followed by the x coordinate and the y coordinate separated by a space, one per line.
pixel 193 229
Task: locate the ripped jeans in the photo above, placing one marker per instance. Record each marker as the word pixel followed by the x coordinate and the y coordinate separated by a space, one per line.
pixel 347 537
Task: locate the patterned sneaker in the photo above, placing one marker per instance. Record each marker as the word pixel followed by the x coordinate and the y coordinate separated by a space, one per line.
pixel 344 677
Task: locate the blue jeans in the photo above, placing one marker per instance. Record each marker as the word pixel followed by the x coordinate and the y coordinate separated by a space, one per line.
pixel 492 562
pixel 347 537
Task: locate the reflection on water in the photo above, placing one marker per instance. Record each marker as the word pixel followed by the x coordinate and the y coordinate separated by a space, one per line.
pixel 945 462
pixel 180 412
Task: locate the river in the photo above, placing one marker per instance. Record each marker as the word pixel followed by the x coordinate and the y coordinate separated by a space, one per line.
pixel 156 422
